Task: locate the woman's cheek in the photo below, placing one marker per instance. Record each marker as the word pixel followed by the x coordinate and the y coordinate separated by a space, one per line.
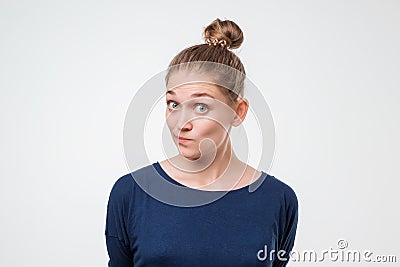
pixel 207 128
pixel 171 120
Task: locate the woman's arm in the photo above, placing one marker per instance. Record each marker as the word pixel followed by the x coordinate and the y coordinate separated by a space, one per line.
pixel 117 238
pixel 286 240
pixel 118 252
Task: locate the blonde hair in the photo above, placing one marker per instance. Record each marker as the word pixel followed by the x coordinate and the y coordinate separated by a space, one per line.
pixel 220 37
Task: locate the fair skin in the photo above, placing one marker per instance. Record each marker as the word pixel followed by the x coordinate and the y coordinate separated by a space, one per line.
pixel 203 114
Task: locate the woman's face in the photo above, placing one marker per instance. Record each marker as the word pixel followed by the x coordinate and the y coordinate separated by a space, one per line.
pixel 198 112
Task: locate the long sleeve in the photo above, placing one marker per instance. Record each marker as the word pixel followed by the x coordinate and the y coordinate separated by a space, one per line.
pixel 288 237
pixel 118 252
pixel 117 238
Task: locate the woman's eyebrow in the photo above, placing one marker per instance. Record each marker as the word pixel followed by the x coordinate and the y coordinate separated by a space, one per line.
pixel 202 94
pixel 193 95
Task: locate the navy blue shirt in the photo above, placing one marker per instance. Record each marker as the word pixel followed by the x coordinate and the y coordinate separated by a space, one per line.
pixel 241 228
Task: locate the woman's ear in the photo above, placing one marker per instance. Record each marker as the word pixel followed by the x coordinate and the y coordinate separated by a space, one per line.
pixel 241 107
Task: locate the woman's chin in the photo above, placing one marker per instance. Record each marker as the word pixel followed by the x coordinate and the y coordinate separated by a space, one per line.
pixel 190 157
pixel 189 154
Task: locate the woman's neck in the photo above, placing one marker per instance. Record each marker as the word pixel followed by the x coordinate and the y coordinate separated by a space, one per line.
pixel 209 169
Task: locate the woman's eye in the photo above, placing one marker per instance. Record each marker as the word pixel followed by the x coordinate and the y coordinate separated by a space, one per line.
pixel 201 108
pixel 172 105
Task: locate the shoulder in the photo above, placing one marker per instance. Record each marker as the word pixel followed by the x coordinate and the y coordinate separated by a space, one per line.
pixel 126 184
pixel 123 183
pixel 122 189
pixel 284 190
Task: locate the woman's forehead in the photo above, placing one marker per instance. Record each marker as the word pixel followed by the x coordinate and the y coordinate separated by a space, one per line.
pixel 194 88
pixel 185 76
pixel 194 84
pixel 178 78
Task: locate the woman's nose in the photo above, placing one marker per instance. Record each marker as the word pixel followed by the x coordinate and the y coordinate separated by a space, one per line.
pixel 184 121
pixel 184 124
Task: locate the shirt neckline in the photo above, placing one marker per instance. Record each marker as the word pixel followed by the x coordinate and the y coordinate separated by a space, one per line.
pixel 165 175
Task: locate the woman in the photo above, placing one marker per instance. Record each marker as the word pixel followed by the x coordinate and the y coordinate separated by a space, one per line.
pixel 204 99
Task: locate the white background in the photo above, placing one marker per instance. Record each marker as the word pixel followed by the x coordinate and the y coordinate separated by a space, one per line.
pixel 69 69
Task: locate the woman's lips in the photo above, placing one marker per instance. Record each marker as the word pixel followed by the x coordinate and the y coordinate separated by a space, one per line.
pixel 183 140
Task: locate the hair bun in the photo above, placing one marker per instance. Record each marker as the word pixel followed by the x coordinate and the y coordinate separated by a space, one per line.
pixel 225 33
